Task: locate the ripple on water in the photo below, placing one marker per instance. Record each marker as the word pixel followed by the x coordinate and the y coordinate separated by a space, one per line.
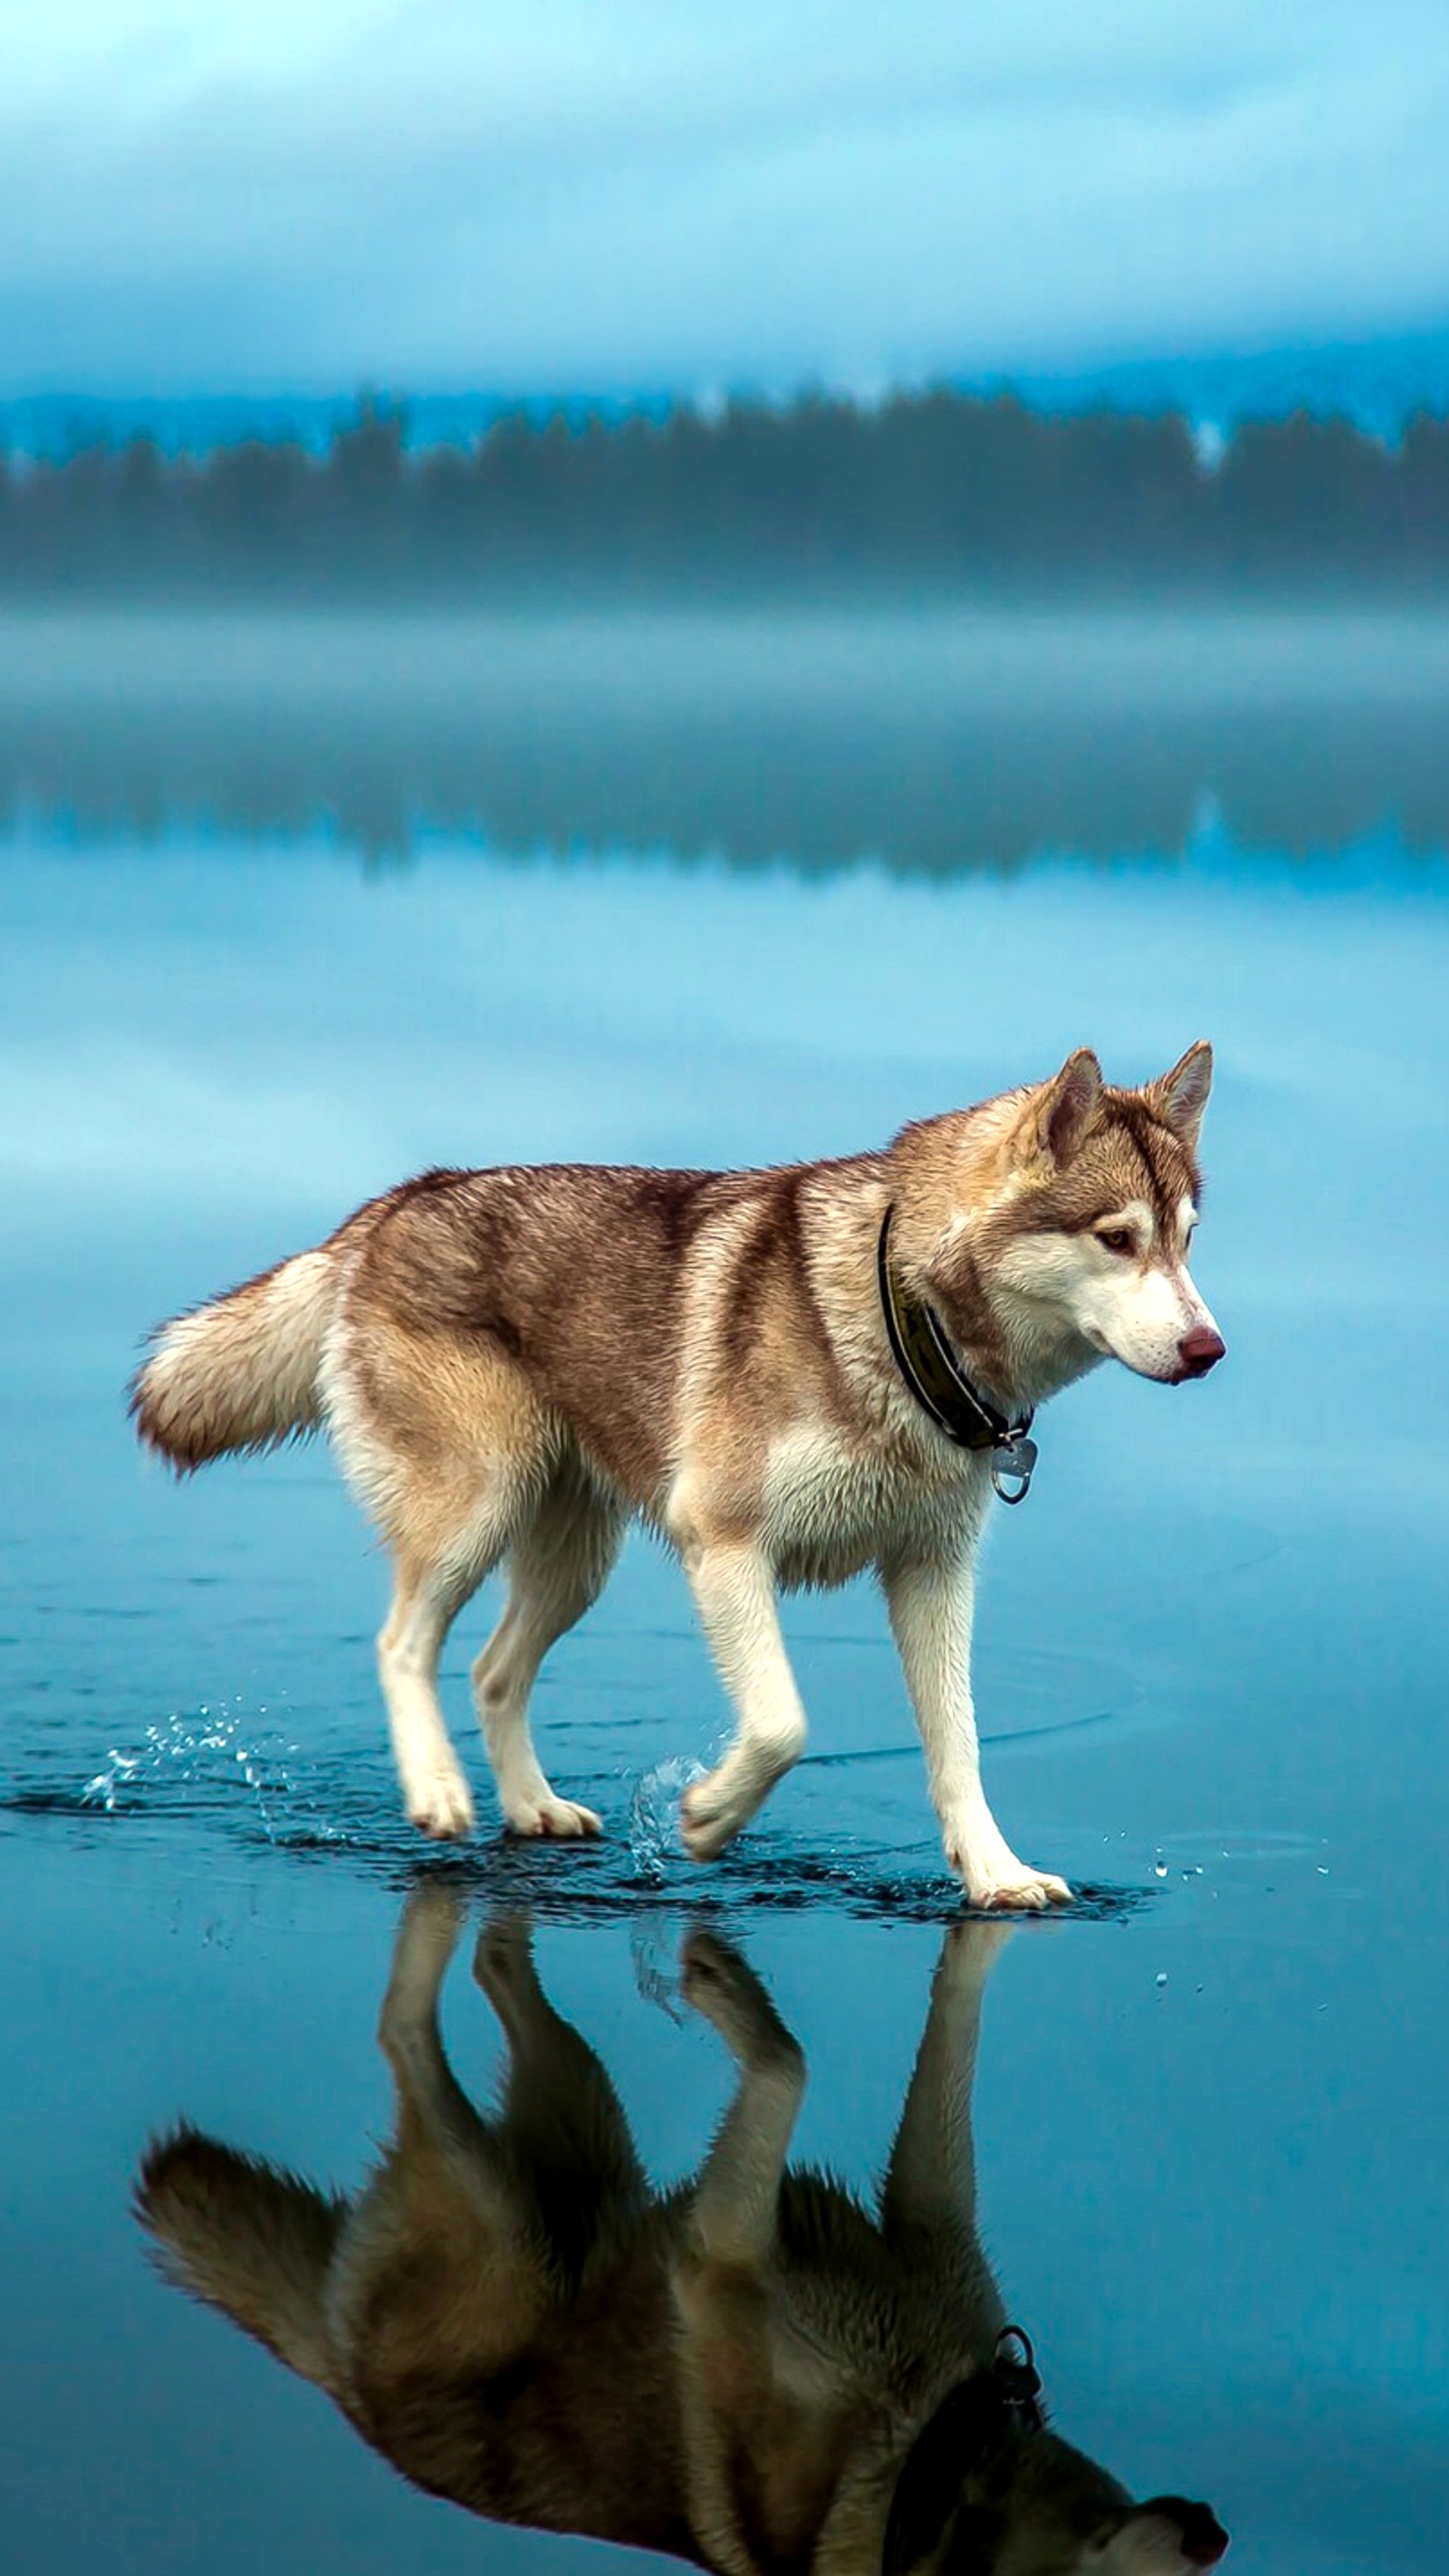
pixel 230 1772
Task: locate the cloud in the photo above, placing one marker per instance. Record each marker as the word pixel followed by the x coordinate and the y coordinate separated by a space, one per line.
pixel 618 192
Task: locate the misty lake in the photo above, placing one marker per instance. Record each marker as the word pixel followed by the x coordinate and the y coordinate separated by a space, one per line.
pixel 290 910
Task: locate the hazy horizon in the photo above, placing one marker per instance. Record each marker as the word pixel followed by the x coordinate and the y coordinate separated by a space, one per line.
pixel 1378 382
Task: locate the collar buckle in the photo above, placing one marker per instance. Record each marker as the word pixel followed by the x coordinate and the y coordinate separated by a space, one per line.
pixel 1013 2367
pixel 1013 1461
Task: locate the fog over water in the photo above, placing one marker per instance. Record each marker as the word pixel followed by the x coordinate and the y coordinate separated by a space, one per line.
pixel 928 743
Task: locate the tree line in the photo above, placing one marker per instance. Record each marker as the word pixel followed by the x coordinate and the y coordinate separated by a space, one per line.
pixel 938 491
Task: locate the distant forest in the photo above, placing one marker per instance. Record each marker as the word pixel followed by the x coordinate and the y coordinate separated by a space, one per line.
pixel 939 491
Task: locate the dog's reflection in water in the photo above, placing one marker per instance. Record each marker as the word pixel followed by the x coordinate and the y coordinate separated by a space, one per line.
pixel 749 2372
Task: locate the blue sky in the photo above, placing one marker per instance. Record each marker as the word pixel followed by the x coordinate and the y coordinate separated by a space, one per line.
pixel 542 194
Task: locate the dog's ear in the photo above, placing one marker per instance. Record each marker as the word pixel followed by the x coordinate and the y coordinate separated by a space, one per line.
pixel 1182 1095
pixel 1065 1109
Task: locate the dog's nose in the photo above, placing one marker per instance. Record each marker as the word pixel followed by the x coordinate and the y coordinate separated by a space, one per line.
pixel 1203 2540
pixel 1200 1350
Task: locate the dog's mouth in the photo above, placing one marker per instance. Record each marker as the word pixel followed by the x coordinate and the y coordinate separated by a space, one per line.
pixel 1178 1372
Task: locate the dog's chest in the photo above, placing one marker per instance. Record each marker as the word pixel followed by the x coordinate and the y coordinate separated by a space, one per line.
pixel 832 1508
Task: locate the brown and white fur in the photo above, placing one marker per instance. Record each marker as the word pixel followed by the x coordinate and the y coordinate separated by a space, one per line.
pixel 513 1363
pixel 738 2372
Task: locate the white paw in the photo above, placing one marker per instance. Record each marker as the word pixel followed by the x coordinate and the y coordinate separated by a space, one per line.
pixel 439 1804
pixel 1018 1891
pixel 992 1876
pixel 551 1819
pixel 711 1813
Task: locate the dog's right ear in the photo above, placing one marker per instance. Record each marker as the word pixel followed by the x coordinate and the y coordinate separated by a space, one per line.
pixel 1182 1095
pixel 1064 1110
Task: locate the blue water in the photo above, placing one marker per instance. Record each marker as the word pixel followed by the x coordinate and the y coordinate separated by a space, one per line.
pixel 1211 2109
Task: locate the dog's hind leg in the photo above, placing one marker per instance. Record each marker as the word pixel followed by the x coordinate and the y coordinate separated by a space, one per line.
pixel 425 1604
pixel 448 1450
pixel 558 1564
pixel 445 2242
pixel 928 2200
pixel 562 2127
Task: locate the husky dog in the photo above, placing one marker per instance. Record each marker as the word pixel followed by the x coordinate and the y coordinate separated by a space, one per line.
pixel 751 2373
pixel 790 1375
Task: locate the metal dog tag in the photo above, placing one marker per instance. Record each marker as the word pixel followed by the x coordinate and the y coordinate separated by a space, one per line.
pixel 1012 1462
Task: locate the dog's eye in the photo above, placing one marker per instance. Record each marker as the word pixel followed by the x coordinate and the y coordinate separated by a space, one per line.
pixel 1117 1238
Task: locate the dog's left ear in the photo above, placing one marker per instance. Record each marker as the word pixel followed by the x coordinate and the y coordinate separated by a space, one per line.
pixel 1182 1095
pixel 1067 1106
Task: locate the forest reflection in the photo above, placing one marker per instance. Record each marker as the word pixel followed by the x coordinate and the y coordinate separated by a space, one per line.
pixel 928 746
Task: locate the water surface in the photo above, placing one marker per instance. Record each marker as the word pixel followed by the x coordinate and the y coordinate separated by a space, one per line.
pixel 1211 2114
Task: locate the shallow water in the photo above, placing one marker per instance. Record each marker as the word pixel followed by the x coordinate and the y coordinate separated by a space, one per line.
pixel 1211 2109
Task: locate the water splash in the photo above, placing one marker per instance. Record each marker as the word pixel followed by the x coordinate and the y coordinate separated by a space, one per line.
pixel 654 1836
pixel 195 1760
pixel 653 1953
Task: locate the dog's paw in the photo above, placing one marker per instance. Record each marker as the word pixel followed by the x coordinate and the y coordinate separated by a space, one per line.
pixel 992 1878
pixel 427 1936
pixel 724 1989
pixel 713 1810
pixel 503 1967
pixel 551 1819
pixel 1018 1891
pixel 710 1816
pixel 440 1805
pixel 971 1950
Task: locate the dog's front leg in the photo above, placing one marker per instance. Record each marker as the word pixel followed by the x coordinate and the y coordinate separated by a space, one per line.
pixel 931 1600
pixel 736 2198
pixel 734 1591
pixel 928 2204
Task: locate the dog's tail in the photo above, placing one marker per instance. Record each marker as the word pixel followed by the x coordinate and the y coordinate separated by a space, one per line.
pixel 247 2239
pixel 242 1372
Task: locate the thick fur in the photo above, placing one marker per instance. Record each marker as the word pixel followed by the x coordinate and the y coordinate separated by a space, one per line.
pixel 514 1363
pixel 268 2267
pixel 242 1373
pixel 740 2373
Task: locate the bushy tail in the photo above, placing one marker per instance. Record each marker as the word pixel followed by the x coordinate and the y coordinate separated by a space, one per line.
pixel 247 2239
pixel 242 1372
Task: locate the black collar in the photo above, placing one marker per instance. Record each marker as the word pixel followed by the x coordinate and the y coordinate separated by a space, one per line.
pixel 973 2423
pixel 941 1387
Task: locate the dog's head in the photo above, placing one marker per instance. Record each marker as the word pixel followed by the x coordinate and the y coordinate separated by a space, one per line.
pixel 1082 1245
pixel 1029 2505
